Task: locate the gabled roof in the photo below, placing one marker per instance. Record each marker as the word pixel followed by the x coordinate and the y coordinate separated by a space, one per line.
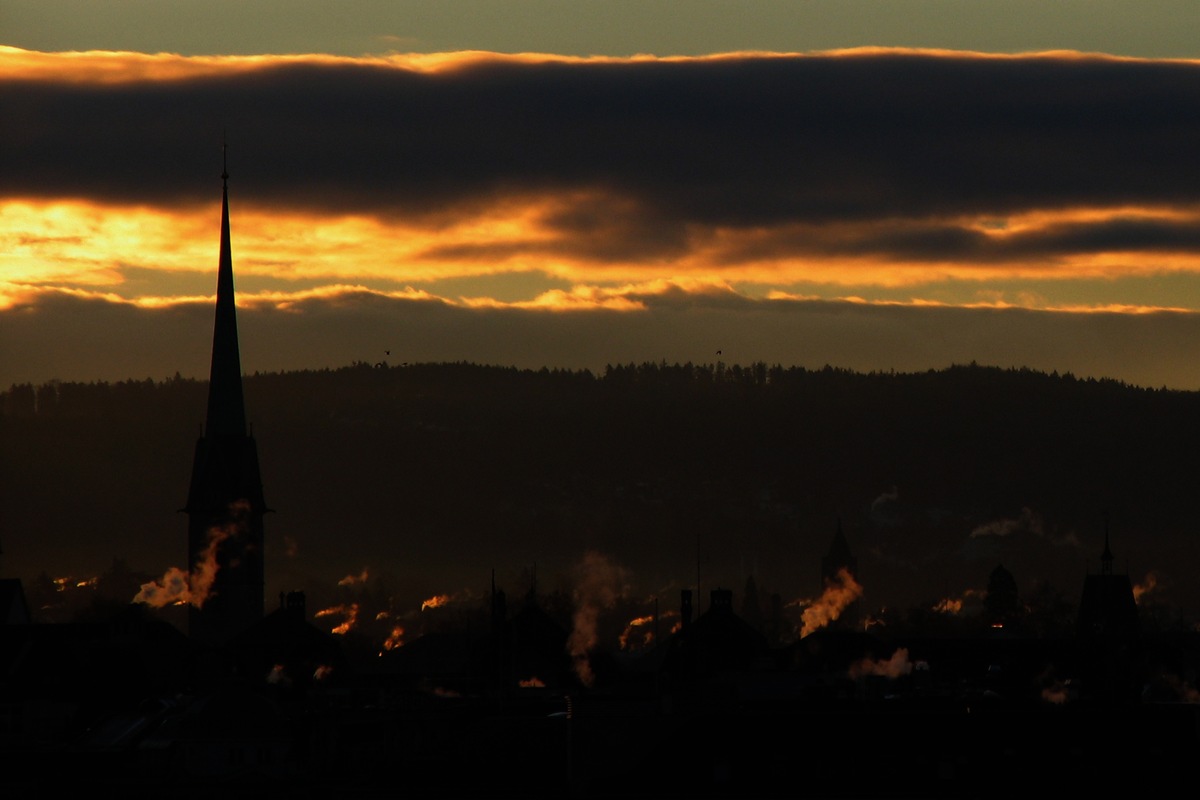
pixel 719 640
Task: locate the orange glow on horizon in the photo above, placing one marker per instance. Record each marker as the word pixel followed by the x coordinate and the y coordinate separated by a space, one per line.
pixel 111 67
pixel 108 67
pixel 76 246
pixel 70 244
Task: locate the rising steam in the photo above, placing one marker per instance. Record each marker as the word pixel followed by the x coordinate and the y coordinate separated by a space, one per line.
pixel 896 666
pixel 177 587
pixel 351 580
pixel 598 584
pixel 840 591
pixel 349 614
pixel 641 627
pixel 1147 586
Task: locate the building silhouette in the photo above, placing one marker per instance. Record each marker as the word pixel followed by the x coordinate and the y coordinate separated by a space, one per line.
pixel 1107 607
pixel 1002 602
pixel 837 564
pixel 225 504
pixel 14 609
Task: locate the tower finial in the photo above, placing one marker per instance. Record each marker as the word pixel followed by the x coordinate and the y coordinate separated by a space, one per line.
pixel 1106 558
pixel 224 158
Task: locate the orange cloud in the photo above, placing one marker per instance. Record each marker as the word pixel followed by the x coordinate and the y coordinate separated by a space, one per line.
pixel 107 67
pixel 87 246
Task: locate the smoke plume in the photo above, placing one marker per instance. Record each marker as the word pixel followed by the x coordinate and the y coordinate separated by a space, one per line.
pixel 896 666
pixel 176 586
pixel 839 592
pixel 598 584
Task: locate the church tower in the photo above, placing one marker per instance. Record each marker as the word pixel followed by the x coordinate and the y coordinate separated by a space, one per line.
pixel 1107 607
pixel 225 505
pixel 839 568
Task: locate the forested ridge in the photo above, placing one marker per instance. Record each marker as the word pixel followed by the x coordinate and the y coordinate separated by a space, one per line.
pixel 657 464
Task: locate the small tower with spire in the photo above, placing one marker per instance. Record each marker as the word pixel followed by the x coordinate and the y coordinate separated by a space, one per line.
pixel 1107 607
pixel 837 560
pixel 225 505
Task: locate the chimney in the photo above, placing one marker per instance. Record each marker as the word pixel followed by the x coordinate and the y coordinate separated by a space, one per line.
pixel 721 601
pixel 295 603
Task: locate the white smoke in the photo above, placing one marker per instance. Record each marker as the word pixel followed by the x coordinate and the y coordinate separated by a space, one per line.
pixel 896 666
pixel 178 587
pixel 1028 521
pixel 839 593
pixel 599 583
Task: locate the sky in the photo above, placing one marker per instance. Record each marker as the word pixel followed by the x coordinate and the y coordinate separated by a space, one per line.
pixel 869 184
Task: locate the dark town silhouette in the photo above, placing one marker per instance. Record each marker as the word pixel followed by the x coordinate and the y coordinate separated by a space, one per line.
pixel 212 681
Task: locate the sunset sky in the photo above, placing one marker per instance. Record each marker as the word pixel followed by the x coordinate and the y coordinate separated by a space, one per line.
pixel 871 184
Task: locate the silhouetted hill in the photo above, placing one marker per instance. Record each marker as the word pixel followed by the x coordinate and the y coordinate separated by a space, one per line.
pixel 431 476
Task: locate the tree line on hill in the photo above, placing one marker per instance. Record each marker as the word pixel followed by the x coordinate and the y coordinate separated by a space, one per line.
pixel 663 465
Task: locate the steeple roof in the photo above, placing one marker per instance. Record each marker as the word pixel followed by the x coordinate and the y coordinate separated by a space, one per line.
pixel 839 555
pixel 1106 558
pixel 225 495
pixel 226 404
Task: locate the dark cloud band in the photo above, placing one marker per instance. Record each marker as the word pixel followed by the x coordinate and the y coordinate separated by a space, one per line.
pixel 741 141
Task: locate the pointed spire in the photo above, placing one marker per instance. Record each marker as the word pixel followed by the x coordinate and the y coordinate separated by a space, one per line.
pixel 839 548
pixel 226 404
pixel 1106 558
pixel 838 557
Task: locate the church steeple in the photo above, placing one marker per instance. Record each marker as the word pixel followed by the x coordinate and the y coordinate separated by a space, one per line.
pixel 839 557
pixel 226 404
pixel 1106 558
pixel 225 504
pixel 1107 607
pixel 833 563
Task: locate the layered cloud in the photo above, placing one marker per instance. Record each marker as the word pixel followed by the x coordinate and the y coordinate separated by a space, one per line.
pixel 492 187
pixel 906 156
